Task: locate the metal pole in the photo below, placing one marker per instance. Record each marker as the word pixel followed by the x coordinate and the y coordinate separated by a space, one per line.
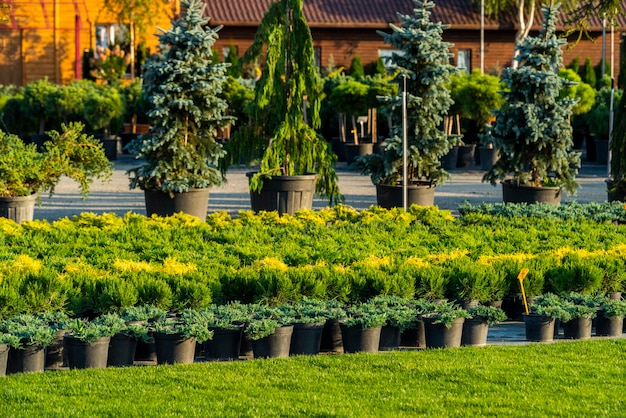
pixel 405 179
pixel 603 47
pixel 482 36
pixel 612 98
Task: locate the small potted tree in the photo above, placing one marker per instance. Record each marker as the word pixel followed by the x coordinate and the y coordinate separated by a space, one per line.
pixel 426 70
pixel 25 173
pixel 27 352
pixel 295 162
pixel 183 88
pixel 532 131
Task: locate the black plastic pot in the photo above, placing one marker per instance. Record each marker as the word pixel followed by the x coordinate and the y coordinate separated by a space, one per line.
pixel 194 202
pixel 4 358
pixel 122 350
pixel 85 355
pixel 331 337
pixel 306 338
pixel 356 339
pixel 539 327
pixel 577 329
pixel 609 327
pixel 439 336
pixel 390 196
pixel 174 348
pixel 225 344
pixel 30 359
pixel 475 332
pixel 285 194
pixel 513 193
pixel 389 338
pixel 275 345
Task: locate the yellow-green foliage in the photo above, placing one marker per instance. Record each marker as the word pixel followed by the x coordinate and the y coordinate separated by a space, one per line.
pixel 92 264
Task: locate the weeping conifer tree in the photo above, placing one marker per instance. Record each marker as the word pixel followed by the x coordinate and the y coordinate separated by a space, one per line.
pixel 532 130
pixel 285 112
pixel 425 60
pixel 183 87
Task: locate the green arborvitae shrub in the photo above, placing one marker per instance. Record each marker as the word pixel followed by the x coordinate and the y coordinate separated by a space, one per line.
pixel 424 61
pixel 589 73
pixel 356 68
pixel 532 130
pixel 184 90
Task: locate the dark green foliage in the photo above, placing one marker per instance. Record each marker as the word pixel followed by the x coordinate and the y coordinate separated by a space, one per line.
pixel 589 73
pixel 104 110
pixel 289 87
pixel 71 153
pixel 598 116
pixel 491 314
pixel 234 70
pixel 36 105
pixel 184 90
pixel 575 65
pixel 425 63
pixel 356 69
pixel 581 92
pixel 532 130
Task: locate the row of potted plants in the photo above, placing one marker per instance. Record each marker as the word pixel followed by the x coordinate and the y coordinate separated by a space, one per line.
pixel 235 330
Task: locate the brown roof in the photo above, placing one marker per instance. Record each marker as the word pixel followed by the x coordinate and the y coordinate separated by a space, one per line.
pixel 460 14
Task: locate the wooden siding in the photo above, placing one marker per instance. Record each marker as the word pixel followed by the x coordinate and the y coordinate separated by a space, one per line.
pixel 39 38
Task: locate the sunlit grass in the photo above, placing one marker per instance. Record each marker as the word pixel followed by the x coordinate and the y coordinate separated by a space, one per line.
pixel 566 379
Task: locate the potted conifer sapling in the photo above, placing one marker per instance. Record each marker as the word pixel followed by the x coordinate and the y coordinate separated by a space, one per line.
pixel 532 131
pixel 425 68
pixel 183 89
pixel 295 162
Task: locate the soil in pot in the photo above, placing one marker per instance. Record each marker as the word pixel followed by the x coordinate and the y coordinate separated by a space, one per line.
pixel 356 339
pixel 306 338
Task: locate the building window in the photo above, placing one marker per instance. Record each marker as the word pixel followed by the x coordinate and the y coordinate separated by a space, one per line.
pixel 387 54
pixel 317 52
pixel 464 60
pixel 110 34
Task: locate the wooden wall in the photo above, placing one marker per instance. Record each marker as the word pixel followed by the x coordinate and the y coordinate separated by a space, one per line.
pixel 39 39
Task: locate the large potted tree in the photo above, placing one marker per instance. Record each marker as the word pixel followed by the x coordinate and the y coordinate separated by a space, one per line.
pixel 294 160
pixel 532 131
pixel 425 64
pixel 183 87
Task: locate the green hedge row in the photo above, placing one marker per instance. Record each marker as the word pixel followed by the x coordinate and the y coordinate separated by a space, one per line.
pixel 95 264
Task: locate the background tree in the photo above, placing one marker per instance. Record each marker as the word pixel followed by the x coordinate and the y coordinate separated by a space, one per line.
pixel 139 15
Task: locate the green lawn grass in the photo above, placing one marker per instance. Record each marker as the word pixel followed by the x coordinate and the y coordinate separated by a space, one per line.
pixel 586 378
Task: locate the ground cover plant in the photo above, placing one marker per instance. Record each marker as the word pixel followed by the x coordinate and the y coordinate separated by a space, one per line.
pixel 97 264
pixel 565 379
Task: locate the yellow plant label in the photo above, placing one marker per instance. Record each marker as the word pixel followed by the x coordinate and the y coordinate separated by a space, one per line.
pixel 522 274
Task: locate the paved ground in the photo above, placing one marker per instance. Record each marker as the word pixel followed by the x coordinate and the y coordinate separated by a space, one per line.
pixel 465 185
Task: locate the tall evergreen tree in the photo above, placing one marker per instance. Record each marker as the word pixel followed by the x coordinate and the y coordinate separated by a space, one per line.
pixel 184 88
pixel 285 112
pixel 425 60
pixel 532 130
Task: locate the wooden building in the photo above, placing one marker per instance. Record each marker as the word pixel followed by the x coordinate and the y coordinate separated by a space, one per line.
pixel 344 28
pixel 47 38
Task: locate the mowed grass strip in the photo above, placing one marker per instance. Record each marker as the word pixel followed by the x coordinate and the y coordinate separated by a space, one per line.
pixel 586 378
